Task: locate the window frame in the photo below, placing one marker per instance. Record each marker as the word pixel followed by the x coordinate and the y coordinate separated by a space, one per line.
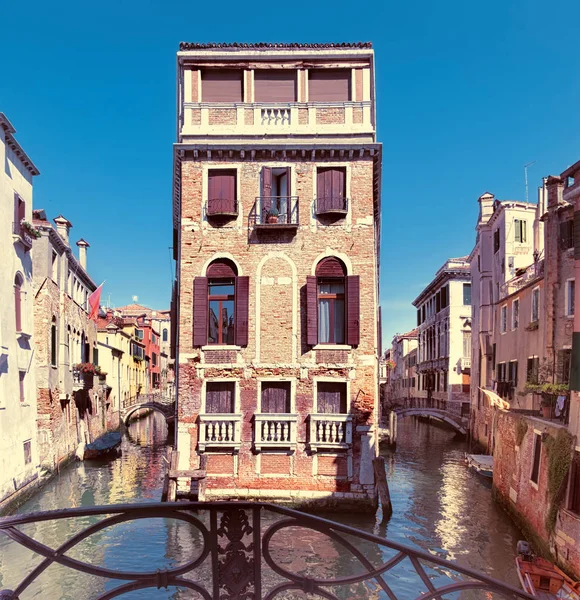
pixel 515 320
pixel 217 170
pixel 569 297
pixel 520 231
pixel 345 169
pixel 535 305
pixel 221 298
pixel 273 380
pixel 236 395
pixel 536 454
pixel 503 321
pixel 27 449
pixel 53 343
pixel 331 380
pixel 332 299
pixel 470 297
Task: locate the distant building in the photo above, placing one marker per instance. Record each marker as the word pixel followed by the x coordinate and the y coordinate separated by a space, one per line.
pixel 402 374
pixel 444 338
pixel 73 401
pixel 18 445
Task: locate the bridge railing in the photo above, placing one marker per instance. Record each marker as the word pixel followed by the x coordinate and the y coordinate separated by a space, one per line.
pixel 243 550
pixel 155 397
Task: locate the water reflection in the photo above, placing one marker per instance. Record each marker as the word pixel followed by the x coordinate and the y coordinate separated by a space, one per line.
pixel 439 507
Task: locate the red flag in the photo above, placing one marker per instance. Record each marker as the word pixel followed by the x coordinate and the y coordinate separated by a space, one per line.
pixel 95 301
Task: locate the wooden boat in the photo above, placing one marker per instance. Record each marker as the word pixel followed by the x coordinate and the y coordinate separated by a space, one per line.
pixel 542 579
pixel 103 447
pixel 481 463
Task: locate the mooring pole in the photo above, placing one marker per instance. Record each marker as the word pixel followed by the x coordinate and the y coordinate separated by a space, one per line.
pixel 383 487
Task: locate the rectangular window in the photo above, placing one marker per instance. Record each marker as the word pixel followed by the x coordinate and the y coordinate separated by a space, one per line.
pixel 54 266
pixel 495 241
pixel 574 485
pixel 331 397
pixel 53 345
pixel 569 297
pixel 533 369
pixel 220 397
pixel 564 364
pixel 535 474
pixel 515 313
pixel 221 311
pixel 329 85
pixel 331 317
pixel 467 344
pixel 445 376
pixel 139 334
pixel 222 85
pixel 567 234
pixel 467 294
pixel 535 304
pixel 503 319
pixel 27 452
pixel 276 397
pixel 221 191
pixel 520 230
pixel 330 189
pixel 513 372
pixel 21 377
pixel 275 85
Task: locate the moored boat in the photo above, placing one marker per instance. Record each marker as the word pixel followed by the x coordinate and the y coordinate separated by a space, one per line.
pixel 481 463
pixel 542 579
pixel 105 446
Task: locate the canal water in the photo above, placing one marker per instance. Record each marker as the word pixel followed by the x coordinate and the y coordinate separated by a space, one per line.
pixel 439 506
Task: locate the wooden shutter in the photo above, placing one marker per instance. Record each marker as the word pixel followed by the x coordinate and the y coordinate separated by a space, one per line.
pixel 173 321
pixel 221 85
pixel 266 194
pixel 219 397
pixel 221 190
pixel 331 398
pixel 276 397
pixel 524 231
pixel 274 85
pixel 329 85
pixel 288 185
pixel 241 310
pixel 353 310
pixel 311 310
pixel 200 309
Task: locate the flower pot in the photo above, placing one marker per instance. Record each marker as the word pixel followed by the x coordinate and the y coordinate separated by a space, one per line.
pixel 547 411
pixel 272 219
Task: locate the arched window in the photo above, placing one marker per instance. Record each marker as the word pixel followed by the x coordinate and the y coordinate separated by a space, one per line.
pixel 333 304
pixel 220 306
pixel 18 283
pixel 165 334
pixel 53 343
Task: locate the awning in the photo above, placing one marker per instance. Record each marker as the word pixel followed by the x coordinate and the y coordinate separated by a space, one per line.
pixel 496 400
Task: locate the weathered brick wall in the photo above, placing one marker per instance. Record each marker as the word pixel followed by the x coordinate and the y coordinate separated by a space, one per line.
pixel 277 347
pixel 222 116
pixel 527 502
pixel 325 116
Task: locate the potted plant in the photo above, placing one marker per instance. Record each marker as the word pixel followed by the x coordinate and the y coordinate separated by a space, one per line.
pixel 29 228
pixel 272 216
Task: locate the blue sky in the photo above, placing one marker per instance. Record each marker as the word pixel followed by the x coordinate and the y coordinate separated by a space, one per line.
pixel 467 94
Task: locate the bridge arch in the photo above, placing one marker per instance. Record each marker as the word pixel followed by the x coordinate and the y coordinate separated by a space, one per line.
pixel 434 413
pixel 166 411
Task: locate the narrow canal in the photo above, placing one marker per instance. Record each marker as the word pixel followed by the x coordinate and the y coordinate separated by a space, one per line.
pixel 439 506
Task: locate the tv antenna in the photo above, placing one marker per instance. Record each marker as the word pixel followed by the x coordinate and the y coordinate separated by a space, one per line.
pixel 526 176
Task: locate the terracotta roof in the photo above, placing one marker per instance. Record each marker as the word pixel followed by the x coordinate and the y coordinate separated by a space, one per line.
pixel 270 46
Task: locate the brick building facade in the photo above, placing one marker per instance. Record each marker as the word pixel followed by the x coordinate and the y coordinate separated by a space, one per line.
pixel 276 215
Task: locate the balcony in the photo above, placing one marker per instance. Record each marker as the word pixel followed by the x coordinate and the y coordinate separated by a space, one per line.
pixel 204 119
pixel 275 212
pixel 21 235
pixel 274 430
pixel 334 205
pixel 466 363
pixel 221 208
pixel 82 380
pixel 220 431
pixel 330 432
pixel 534 271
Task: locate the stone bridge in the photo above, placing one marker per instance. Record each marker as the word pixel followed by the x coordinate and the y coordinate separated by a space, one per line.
pixel 161 404
pixel 456 421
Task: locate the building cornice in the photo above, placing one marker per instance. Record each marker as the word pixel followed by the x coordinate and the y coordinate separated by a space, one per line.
pixel 183 46
pixel 15 146
pixel 440 279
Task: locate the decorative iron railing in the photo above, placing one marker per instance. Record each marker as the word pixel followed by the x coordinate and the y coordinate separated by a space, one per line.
pixel 275 211
pixel 222 207
pixel 243 551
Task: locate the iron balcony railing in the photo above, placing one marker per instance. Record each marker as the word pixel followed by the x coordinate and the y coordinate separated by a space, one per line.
pixel 331 205
pixel 242 550
pixel 275 212
pixel 533 272
pixel 222 207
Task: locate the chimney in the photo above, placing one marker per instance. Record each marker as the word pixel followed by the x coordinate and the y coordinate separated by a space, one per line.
pixel 83 252
pixel 485 207
pixel 62 226
pixel 555 187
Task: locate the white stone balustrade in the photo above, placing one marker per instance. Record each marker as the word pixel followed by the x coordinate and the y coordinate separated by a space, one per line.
pixel 332 431
pixel 221 430
pixel 274 430
pixel 208 119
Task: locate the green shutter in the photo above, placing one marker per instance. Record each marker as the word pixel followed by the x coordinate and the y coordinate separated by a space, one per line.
pixel 517 224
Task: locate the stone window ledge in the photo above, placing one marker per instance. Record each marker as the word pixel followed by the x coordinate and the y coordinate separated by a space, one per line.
pixel 332 347
pixel 218 347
